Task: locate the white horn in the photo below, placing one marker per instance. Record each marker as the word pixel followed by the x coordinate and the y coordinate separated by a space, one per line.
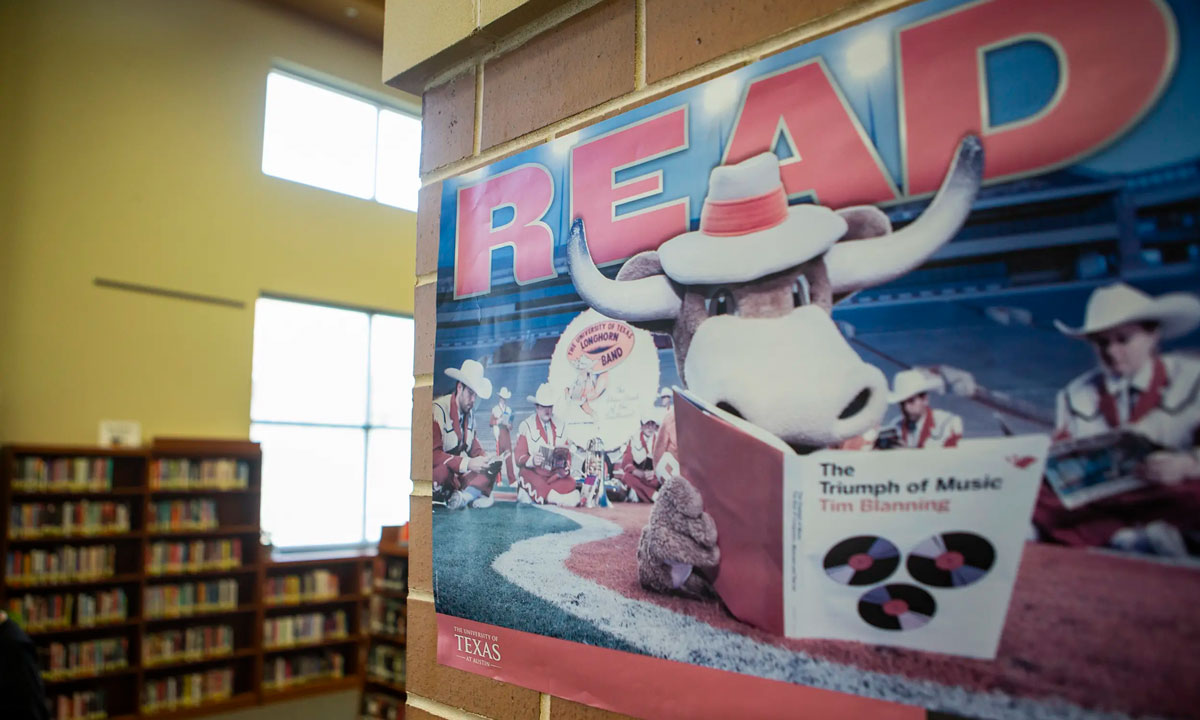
pixel 641 300
pixel 857 264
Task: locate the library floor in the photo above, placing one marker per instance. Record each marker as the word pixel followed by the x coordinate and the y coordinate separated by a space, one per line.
pixel 331 706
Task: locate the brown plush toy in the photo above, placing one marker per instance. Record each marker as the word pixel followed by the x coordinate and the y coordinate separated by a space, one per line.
pixel 680 537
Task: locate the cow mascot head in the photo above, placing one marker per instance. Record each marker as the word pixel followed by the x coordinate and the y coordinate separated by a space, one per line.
pixel 746 299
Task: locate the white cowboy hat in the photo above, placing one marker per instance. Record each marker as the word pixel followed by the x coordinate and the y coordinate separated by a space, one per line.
pixel 666 392
pixel 747 230
pixel 651 415
pixel 504 393
pixel 908 383
pixel 1176 313
pixel 471 375
pixel 544 396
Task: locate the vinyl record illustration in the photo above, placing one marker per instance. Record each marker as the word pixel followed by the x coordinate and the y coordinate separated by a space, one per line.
pixel 861 560
pixel 951 560
pixel 896 607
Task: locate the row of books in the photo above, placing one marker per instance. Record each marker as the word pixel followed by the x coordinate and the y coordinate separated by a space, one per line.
pixel 79 705
pixel 387 615
pixel 386 662
pixel 395 574
pixel 78 474
pixel 167 601
pixel 87 658
pixel 185 691
pixel 293 589
pixel 289 630
pixel 185 474
pixel 193 555
pixel 184 515
pixel 288 670
pixel 377 706
pixel 37 613
pixel 68 563
pixel 193 643
pixel 59 519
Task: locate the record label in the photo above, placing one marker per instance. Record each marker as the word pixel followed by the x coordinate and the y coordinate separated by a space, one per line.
pixel 861 560
pixel 950 560
pixel 897 607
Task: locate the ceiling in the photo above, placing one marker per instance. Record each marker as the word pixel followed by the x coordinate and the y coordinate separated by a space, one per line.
pixel 363 18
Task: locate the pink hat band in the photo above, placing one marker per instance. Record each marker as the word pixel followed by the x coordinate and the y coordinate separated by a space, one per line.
pixel 744 215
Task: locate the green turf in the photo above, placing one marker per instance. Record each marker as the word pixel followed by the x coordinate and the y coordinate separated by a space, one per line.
pixel 464 545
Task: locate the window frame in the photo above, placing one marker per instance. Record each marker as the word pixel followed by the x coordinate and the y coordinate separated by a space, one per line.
pixel 325 81
pixel 366 427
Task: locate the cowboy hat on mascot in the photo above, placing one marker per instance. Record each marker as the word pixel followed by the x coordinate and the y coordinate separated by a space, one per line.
pixel 757 283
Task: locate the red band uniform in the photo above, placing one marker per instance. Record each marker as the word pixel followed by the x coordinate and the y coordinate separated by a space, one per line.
pixel 1135 388
pixel 936 428
pixel 1161 402
pixel 454 442
pixel 537 440
pixel 639 455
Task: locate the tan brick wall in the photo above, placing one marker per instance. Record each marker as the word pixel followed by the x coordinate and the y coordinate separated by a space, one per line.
pixel 582 62
pixel 592 59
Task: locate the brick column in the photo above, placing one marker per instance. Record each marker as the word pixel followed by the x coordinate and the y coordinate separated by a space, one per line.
pixel 579 63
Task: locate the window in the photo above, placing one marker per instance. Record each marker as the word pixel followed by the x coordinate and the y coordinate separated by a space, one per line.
pixel 325 138
pixel 331 403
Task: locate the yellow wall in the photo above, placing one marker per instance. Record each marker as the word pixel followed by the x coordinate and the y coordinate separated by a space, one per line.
pixel 130 148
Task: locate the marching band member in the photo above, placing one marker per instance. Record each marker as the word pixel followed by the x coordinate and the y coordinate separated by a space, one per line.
pixel 920 425
pixel 541 478
pixel 501 421
pixel 638 460
pixel 501 413
pixel 666 447
pixel 460 467
pixel 1137 388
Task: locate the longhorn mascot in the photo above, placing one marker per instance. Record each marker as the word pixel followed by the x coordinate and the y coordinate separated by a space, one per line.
pixel 756 285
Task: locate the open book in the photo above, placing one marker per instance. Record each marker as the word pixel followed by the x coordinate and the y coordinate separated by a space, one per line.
pixel 911 548
pixel 1087 469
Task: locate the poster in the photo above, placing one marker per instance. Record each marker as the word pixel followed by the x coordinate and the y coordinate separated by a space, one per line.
pixel 855 382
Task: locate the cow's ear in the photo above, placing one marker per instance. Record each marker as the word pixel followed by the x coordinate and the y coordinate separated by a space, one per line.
pixel 862 221
pixel 644 264
pixel 865 221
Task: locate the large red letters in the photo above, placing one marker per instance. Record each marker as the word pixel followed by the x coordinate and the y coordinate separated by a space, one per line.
pixel 1102 93
pixel 595 193
pixel 1103 90
pixel 528 190
pixel 831 157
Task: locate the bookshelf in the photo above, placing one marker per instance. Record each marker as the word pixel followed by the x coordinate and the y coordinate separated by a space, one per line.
pixel 72 549
pixel 176 601
pixel 312 624
pixel 387 612
pixel 200 641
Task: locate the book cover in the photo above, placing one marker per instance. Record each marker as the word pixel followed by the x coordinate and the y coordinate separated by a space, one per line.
pixel 912 548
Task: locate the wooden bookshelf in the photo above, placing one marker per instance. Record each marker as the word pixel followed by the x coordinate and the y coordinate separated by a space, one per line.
pixel 236 511
pixel 387 626
pixel 314 584
pixel 37 479
pixel 221 482
pixel 123 476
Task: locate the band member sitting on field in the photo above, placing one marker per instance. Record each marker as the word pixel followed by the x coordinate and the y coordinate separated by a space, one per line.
pixel 462 473
pixel 920 425
pixel 501 421
pixel 666 447
pixel 543 457
pixel 638 460
pixel 1138 389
